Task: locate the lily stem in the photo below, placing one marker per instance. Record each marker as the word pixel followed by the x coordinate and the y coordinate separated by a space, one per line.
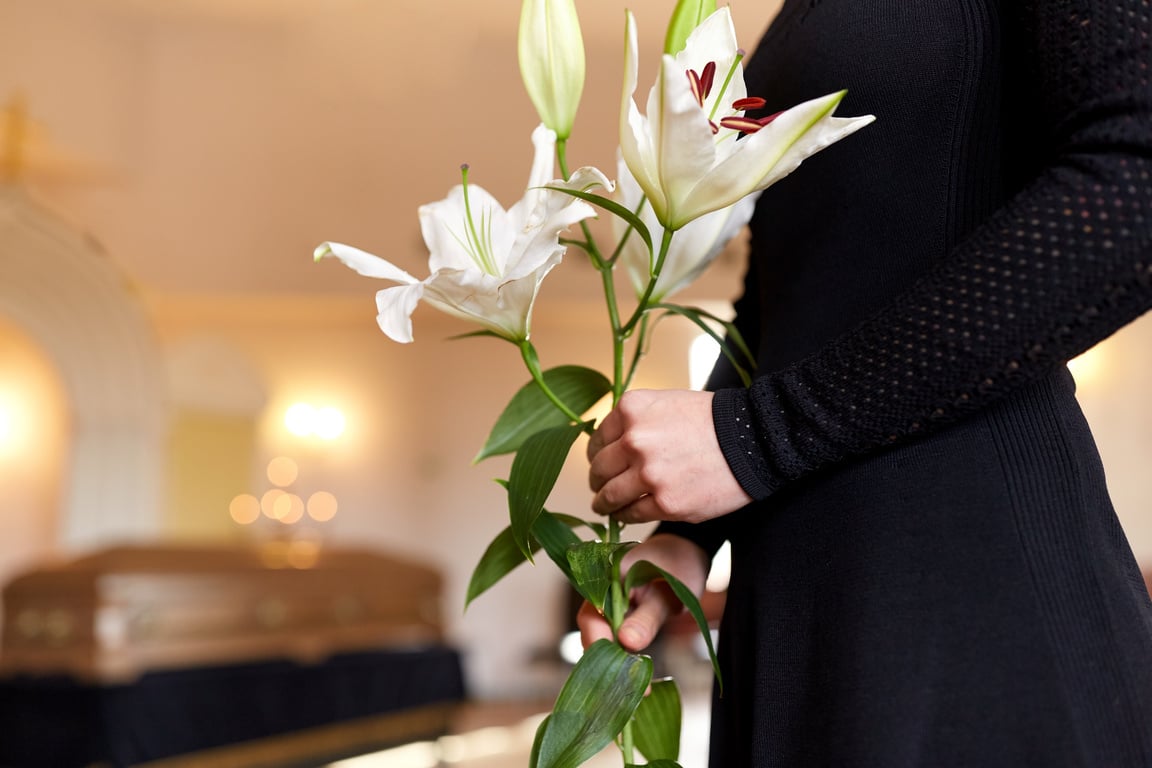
pixel 654 276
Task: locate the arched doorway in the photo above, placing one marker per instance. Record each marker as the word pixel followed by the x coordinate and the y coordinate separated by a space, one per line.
pixel 68 296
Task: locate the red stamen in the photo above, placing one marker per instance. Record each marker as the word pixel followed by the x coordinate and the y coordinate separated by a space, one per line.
pixel 696 86
pixel 749 102
pixel 765 120
pixel 706 78
pixel 744 124
pixel 715 128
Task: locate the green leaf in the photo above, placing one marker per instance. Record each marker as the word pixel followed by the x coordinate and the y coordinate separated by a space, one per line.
pixel 591 563
pixel 727 342
pixel 533 474
pixel 686 17
pixel 612 207
pixel 597 701
pixel 552 532
pixel 499 559
pixel 656 724
pixel 530 411
pixel 643 571
pixel 656 764
pixel 598 529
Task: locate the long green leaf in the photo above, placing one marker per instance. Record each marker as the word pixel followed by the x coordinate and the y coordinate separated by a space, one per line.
pixel 612 207
pixel 656 724
pixel 591 563
pixel 656 764
pixel 530 411
pixel 533 474
pixel 552 532
pixel 597 701
pixel 598 529
pixel 499 559
pixel 643 571
pixel 727 342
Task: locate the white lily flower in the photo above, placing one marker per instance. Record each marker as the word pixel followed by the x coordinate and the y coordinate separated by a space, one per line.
pixel 486 263
pixel 694 247
pixel 684 153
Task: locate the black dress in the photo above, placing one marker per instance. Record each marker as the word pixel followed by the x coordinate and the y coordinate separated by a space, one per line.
pixel 932 574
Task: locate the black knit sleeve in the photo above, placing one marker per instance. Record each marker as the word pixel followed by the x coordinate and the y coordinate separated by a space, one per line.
pixel 1065 263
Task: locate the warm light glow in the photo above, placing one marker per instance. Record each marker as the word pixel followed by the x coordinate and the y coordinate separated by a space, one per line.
pixel 702 356
pixel 329 423
pixel 268 503
pixel 300 419
pixel 7 429
pixel 322 506
pixel 419 754
pixel 303 554
pixel 288 508
pixel 14 430
pixel 282 471
pixel 721 571
pixel 245 509
pixel 1090 366
pixel 304 420
pixel 571 647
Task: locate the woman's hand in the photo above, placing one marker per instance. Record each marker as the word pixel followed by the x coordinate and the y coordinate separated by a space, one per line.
pixel 656 457
pixel 653 603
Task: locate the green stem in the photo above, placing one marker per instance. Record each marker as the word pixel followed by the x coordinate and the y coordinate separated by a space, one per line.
pixel 641 340
pixel 589 244
pixel 654 275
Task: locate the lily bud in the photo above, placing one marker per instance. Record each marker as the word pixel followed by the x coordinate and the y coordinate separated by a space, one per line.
pixel 686 17
pixel 552 61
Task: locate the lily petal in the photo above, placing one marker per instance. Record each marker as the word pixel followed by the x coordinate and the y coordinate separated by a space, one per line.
pixel 685 168
pixel 394 308
pixel 771 153
pixel 363 262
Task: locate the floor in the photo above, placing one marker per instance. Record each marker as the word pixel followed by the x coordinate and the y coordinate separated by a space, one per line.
pixel 500 734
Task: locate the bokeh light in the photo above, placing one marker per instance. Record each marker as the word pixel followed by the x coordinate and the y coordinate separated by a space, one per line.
pixel 288 508
pixel 268 502
pixel 282 471
pixel 244 509
pixel 322 506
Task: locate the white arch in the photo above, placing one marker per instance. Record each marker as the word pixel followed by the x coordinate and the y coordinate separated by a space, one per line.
pixel 63 290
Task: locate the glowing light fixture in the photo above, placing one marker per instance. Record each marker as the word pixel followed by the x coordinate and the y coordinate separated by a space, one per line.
pixel 304 420
pixel 299 419
pixel 7 429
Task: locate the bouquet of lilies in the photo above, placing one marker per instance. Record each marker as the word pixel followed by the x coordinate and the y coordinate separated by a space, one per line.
pixel 688 174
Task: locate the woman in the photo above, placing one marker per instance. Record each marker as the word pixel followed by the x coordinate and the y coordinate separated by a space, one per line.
pixel 927 570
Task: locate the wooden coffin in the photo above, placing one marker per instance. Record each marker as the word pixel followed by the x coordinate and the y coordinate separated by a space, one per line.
pixel 110 616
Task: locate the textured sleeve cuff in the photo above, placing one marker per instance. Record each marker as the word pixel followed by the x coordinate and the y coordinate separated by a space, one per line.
pixel 733 420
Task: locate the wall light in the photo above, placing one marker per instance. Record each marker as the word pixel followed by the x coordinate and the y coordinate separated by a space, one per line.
pixel 7 429
pixel 304 420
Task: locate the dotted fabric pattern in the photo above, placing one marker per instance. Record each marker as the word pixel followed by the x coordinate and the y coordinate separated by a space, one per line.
pixel 1065 263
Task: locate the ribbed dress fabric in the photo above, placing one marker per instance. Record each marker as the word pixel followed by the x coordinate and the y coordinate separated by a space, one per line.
pixel 932 573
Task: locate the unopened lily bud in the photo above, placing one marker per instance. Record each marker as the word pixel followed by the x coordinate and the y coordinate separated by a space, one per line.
pixel 552 61
pixel 686 17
